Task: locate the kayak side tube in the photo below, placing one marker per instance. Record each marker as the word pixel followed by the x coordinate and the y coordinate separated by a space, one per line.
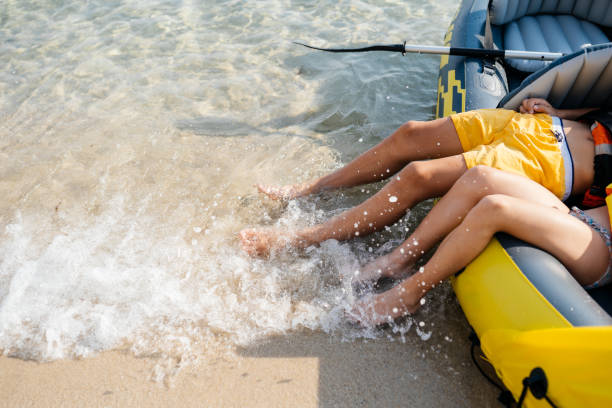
pixel 467 83
pixel 575 361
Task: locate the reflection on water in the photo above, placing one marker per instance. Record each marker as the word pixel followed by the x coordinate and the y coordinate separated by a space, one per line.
pixel 131 134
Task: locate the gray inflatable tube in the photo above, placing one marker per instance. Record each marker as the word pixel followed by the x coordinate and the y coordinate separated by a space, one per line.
pixel 582 79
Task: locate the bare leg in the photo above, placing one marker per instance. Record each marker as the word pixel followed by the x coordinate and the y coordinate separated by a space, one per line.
pixel 575 244
pixel 475 184
pixel 415 183
pixel 411 141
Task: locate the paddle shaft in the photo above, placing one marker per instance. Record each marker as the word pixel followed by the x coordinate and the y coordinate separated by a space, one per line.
pixel 440 50
pixel 481 52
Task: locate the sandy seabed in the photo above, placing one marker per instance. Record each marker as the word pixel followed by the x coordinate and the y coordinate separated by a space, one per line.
pixel 300 370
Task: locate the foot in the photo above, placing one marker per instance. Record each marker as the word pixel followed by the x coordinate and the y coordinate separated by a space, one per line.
pixel 384 308
pixel 260 242
pixel 285 193
pixel 382 267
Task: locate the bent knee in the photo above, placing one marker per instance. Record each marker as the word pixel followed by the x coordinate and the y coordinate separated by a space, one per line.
pixel 494 209
pixel 404 134
pixel 418 172
pixel 480 181
pixel 480 176
pixel 409 127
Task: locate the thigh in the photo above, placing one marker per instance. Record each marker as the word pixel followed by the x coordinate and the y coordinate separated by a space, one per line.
pixel 488 180
pixel 580 248
pixel 421 180
pixel 428 140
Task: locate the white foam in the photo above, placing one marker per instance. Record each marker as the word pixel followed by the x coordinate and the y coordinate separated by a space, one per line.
pixel 120 176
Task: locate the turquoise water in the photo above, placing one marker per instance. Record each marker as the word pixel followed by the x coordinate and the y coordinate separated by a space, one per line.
pixel 131 135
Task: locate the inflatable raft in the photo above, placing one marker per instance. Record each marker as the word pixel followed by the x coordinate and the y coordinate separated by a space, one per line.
pixel 549 340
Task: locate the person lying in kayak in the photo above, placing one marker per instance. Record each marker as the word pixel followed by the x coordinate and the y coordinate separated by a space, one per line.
pixel 541 143
pixel 482 202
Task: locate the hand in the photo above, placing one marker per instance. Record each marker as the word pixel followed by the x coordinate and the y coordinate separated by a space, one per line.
pixel 538 105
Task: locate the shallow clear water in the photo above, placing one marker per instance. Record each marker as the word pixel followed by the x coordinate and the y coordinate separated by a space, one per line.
pixel 131 134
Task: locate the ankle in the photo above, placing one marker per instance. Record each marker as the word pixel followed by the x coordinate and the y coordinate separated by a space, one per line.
pixel 314 186
pixel 304 238
pixel 399 260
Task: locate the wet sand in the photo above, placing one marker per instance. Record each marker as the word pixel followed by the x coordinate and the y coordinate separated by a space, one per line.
pixel 301 370
pixel 131 138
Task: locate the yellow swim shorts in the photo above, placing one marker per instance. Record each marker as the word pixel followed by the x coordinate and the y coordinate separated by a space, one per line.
pixel 530 145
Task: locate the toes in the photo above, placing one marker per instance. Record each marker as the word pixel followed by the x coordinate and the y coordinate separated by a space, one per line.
pixel 274 193
pixel 251 242
pixel 263 188
pixel 247 236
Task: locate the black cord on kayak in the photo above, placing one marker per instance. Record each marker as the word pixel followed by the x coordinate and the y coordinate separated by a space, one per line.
pixel 505 397
pixel 390 47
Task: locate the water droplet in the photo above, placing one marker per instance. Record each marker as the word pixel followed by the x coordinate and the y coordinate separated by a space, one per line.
pixel 392 199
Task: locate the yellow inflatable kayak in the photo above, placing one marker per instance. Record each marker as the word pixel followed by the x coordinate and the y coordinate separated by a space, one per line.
pixel 549 340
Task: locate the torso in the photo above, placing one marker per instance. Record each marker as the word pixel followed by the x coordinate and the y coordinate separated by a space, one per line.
pixel 582 148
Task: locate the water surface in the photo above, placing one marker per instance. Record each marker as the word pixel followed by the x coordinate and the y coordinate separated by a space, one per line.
pixel 131 135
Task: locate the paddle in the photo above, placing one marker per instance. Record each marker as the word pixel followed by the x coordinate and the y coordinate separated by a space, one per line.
pixel 440 50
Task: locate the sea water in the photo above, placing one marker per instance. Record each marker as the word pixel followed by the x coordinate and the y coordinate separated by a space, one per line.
pixel 131 136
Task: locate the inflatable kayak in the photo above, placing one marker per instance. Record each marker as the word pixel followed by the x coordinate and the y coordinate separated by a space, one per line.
pixel 549 340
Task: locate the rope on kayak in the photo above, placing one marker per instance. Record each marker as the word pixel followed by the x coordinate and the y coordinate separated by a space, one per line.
pixel 390 47
pixel 505 397
pixel 537 384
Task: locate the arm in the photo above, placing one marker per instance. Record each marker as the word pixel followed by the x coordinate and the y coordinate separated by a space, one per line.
pixel 538 105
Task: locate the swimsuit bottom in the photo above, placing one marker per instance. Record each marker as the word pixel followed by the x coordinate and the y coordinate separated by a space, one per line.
pixel 588 220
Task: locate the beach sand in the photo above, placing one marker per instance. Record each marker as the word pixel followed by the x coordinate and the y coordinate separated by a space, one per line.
pixel 300 370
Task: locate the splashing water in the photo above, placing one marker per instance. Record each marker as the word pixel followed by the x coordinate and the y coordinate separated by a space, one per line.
pixel 130 138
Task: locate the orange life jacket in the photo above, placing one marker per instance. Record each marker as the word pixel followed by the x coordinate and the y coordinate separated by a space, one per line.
pixel 601 129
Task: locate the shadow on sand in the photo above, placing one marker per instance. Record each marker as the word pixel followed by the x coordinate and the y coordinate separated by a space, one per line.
pixel 385 372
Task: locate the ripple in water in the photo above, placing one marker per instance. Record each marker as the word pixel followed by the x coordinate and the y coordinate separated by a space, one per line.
pixel 131 135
